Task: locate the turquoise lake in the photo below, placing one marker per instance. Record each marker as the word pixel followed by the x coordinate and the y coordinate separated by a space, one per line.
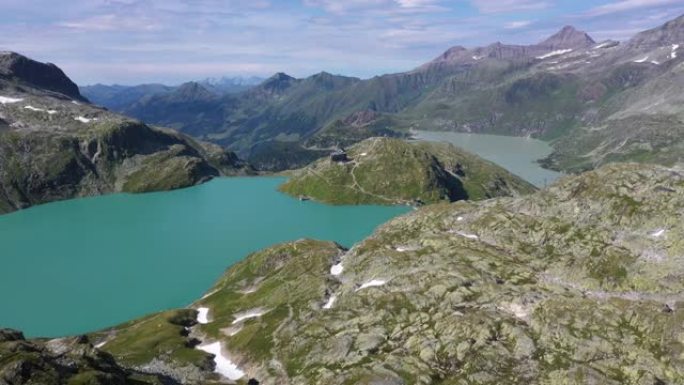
pixel 81 265
pixel 517 155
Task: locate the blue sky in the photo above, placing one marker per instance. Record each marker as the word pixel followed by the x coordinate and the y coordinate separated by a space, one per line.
pixel 171 41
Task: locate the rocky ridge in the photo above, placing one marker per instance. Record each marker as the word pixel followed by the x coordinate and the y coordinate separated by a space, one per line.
pixel 54 145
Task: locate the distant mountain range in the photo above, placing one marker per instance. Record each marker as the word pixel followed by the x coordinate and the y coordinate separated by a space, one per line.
pixel 118 97
pixel 595 102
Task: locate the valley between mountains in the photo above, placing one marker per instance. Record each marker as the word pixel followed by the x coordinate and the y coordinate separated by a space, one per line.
pixel 489 280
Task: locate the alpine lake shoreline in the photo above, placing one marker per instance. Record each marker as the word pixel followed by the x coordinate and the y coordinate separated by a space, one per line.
pixel 182 301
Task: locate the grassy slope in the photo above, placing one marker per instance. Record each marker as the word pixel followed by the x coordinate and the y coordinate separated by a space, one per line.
pixel 565 286
pixel 395 171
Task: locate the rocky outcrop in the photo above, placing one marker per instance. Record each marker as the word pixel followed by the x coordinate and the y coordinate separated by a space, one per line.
pixel 62 361
pixel 47 76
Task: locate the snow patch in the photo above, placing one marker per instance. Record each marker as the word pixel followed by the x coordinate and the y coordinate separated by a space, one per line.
pixel 8 100
pixel 658 233
pixel 31 108
pixel 254 313
pixel 641 60
pixel 478 57
pixel 337 269
pixel 372 283
pixel 655 62
pixel 75 102
pixel 673 55
pixel 465 235
pixel 231 331
pixel 224 366
pixel 249 290
pixel 83 119
pixel 460 219
pixel 403 249
pixel 554 53
pixel 363 154
pixel 603 45
pixel 203 315
pixel 101 344
pixel 330 303
pixel 518 310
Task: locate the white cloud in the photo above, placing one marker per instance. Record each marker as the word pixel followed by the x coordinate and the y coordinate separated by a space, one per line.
pixel 344 6
pixel 112 22
pixel 426 4
pixel 500 6
pixel 629 5
pixel 386 7
pixel 517 24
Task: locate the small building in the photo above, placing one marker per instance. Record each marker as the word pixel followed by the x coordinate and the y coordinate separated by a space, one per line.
pixel 339 155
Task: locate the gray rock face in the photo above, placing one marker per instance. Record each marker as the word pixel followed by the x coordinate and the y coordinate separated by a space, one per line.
pixel 46 76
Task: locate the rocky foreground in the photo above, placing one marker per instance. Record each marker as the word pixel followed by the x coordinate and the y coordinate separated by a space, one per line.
pixel 394 171
pixel 55 145
pixel 71 361
pixel 581 283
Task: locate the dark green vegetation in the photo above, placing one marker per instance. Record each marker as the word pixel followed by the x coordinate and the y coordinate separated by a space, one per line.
pixel 391 171
pixel 72 361
pixel 54 145
pixel 580 283
pixel 598 103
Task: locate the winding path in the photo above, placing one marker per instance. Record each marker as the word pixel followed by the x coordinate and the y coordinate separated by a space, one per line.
pixel 356 186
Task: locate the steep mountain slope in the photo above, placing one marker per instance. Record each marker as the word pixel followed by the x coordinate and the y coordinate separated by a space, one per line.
pixel 191 103
pixel 390 171
pixel 55 146
pixel 580 283
pixel 597 102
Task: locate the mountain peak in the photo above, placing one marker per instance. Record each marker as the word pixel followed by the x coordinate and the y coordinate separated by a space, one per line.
pixel 568 37
pixel 280 76
pixel 45 76
pixel 277 83
pixel 193 91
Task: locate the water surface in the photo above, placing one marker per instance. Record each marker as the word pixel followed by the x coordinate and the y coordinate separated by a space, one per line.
pixel 515 154
pixel 77 266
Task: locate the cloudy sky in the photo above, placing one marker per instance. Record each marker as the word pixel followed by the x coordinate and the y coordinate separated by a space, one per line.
pixel 171 41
